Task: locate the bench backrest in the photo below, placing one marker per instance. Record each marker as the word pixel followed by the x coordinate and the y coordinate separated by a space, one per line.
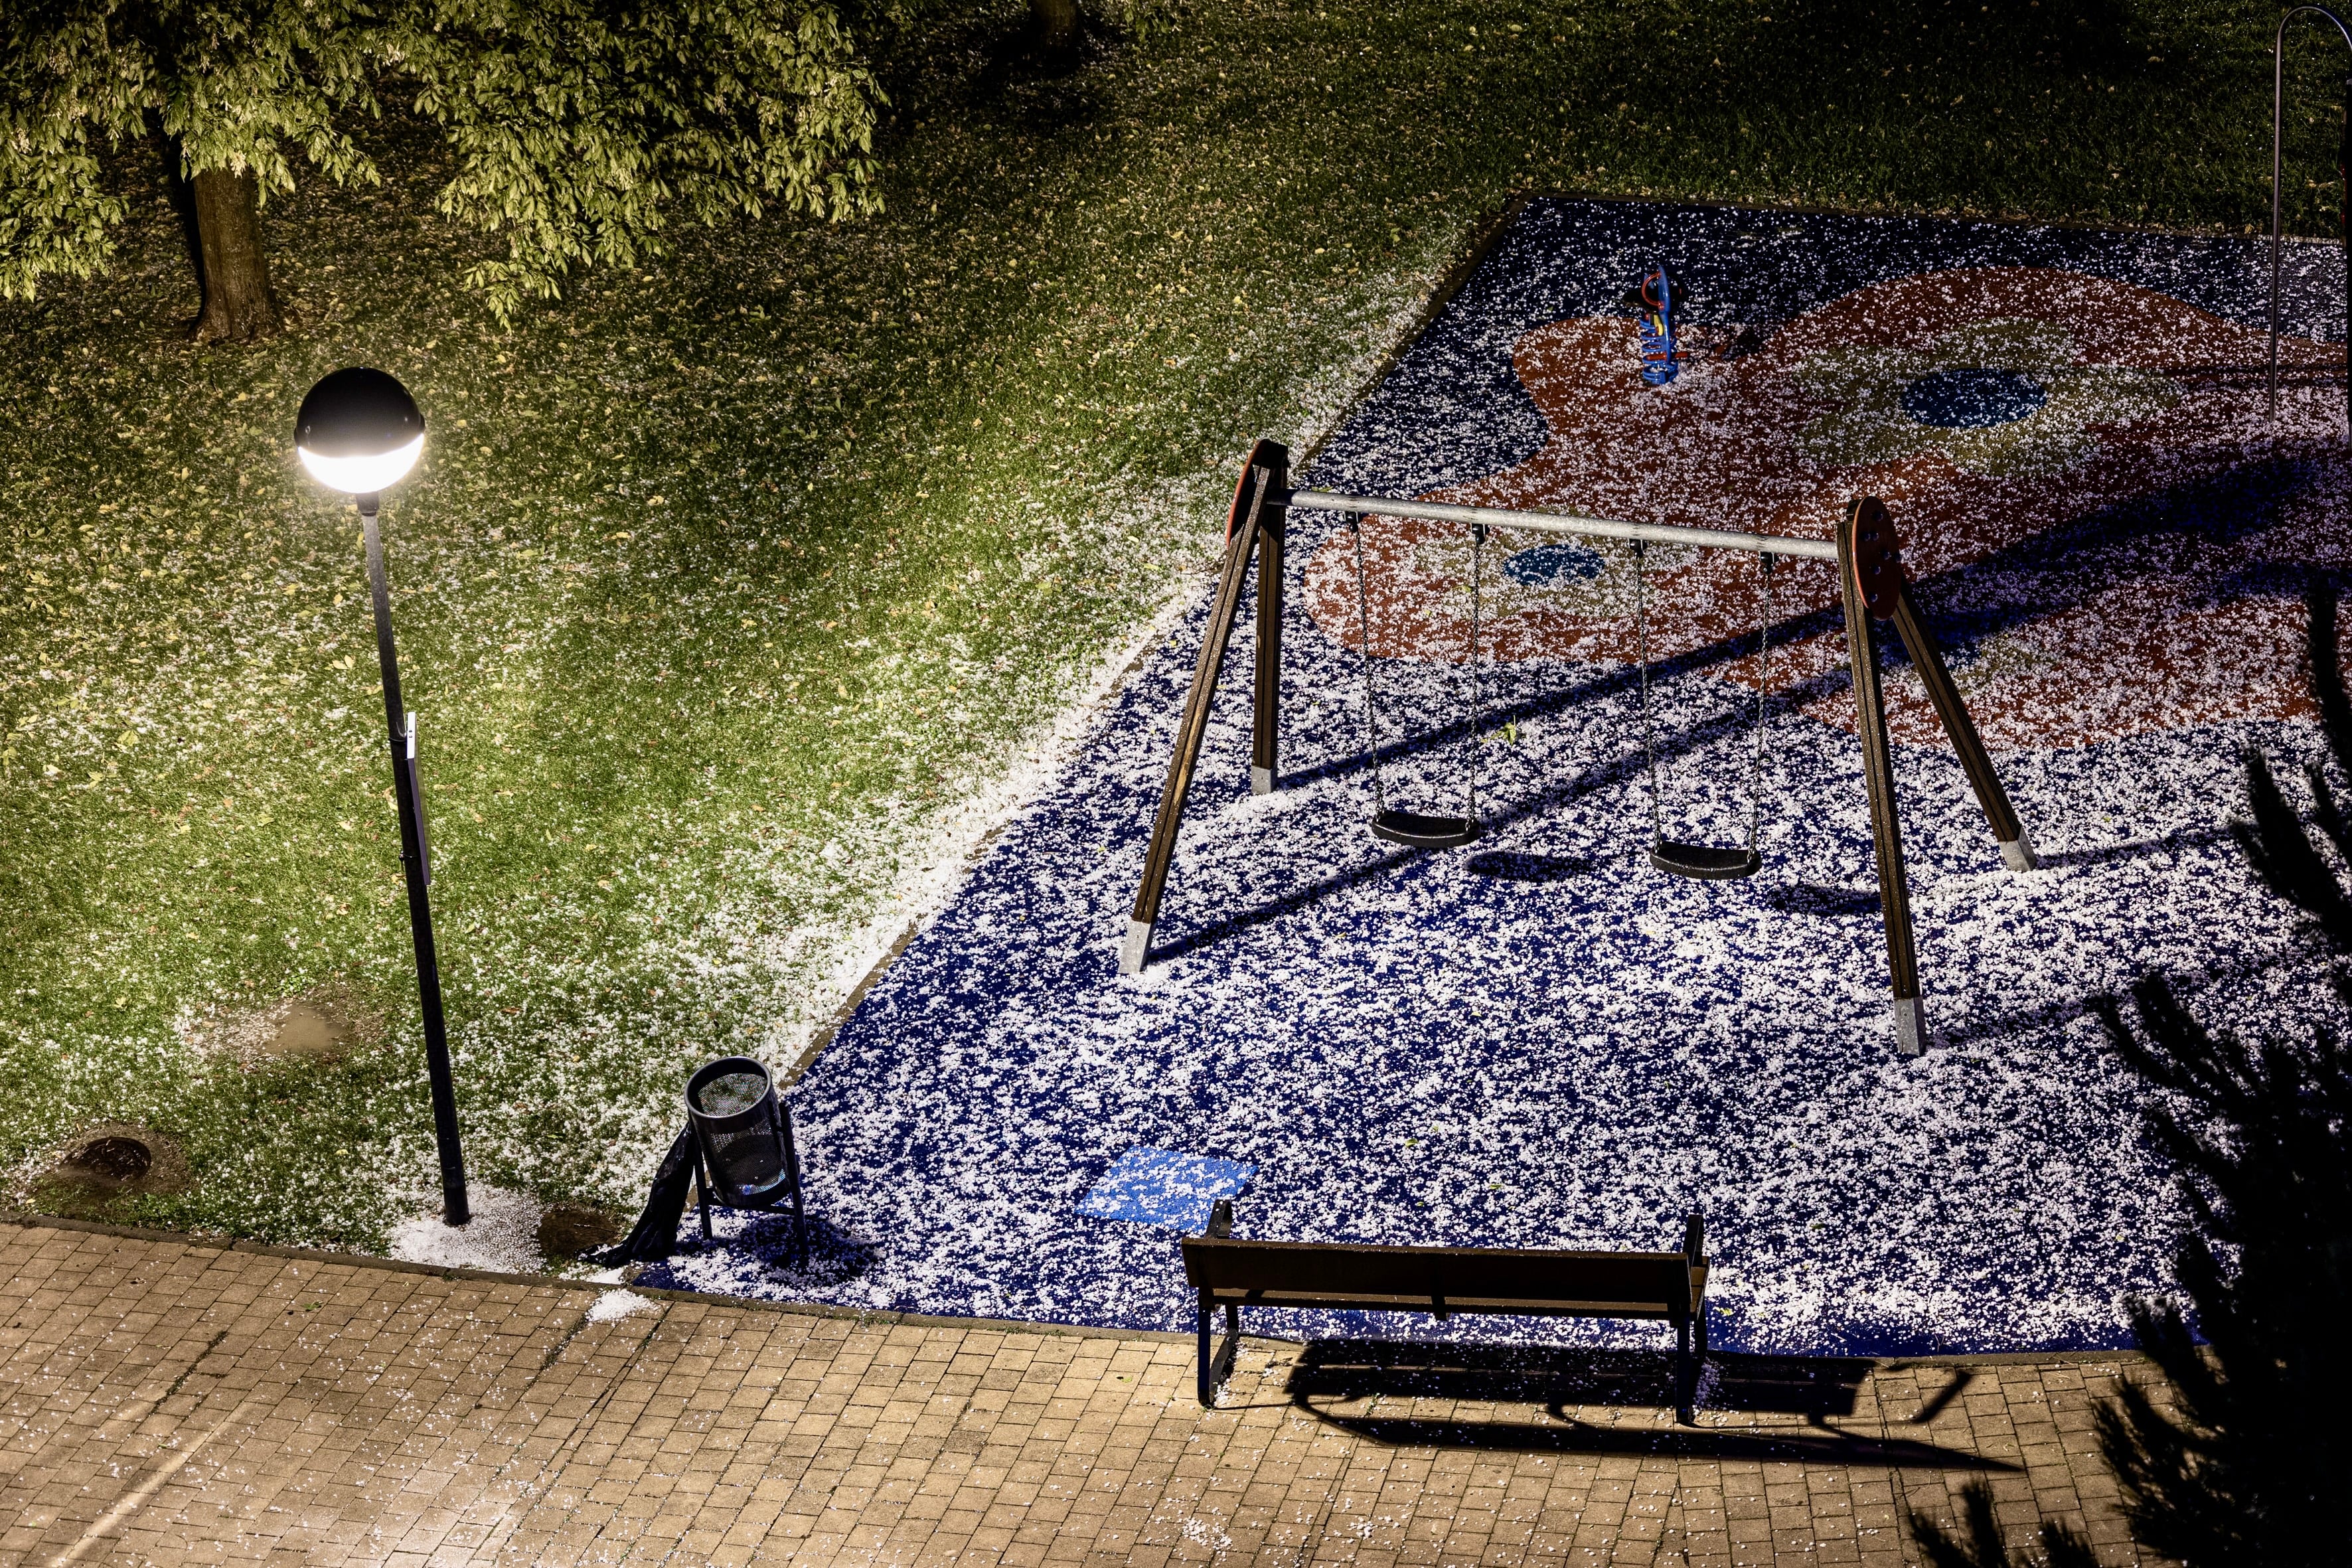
pixel 1664 1279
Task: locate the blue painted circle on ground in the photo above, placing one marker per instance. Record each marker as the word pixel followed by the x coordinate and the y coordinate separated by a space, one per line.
pixel 1550 563
pixel 1972 399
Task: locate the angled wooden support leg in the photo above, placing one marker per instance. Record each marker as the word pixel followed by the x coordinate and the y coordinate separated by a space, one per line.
pixel 1266 709
pixel 2016 848
pixel 1868 578
pixel 1242 534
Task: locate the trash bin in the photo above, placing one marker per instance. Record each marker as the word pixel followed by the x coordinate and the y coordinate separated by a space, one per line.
pixel 743 1140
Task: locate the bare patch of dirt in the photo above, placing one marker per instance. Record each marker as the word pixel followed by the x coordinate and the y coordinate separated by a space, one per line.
pixel 310 1032
pixel 324 1024
pixel 103 1168
pixel 569 1231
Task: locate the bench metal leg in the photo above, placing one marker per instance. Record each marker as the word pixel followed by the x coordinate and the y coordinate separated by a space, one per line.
pixel 1217 1364
pixel 1686 1382
pixel 1208 1381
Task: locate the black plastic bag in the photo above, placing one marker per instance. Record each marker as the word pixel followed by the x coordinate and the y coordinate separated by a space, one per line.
pixel 655 1236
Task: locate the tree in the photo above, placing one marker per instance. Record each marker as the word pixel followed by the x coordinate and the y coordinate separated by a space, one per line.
pixel 1986 1548
pixel 578 128
pixel 2275 842
pixel 1055 23
pixel 2252 1472
pixel 1056 27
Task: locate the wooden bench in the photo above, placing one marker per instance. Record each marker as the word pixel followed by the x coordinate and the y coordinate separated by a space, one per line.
pixel 1445 1280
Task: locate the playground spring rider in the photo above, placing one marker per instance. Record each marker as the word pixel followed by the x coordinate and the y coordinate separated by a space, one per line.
pixel 1872 589
pixel 1655 303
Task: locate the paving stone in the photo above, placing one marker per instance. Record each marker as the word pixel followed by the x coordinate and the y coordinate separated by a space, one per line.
pixel 179 1404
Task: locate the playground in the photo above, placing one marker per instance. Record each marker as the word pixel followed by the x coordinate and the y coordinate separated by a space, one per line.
pixel 1538 1039
pixel 714 701
pixel 1524 782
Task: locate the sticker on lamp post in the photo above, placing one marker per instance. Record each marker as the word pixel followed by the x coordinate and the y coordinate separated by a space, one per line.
pixel 416 804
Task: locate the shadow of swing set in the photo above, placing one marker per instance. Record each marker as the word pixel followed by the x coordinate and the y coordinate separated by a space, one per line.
pixel 1871 579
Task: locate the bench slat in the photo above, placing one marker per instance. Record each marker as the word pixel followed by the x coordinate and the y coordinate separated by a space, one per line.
pixel 1624 1281
pixel 1507 1306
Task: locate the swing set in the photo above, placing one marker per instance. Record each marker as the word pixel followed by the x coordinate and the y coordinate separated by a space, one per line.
pixel 1872 589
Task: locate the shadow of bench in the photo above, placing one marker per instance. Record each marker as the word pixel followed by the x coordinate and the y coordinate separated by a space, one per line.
pixel 1565 1382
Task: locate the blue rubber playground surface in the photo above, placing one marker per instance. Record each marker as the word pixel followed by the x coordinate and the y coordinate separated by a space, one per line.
pixel 1538 1040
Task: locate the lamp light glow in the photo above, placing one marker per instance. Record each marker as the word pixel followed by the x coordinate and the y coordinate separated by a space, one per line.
pixel 359 431
pixel 362 476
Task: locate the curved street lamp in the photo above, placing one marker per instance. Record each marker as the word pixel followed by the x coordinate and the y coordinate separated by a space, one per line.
pixel 360 432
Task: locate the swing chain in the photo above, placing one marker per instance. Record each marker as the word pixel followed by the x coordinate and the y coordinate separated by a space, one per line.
pixel 1477 692
pixel 1642 658
pixel 1364 647
pixel 1763 685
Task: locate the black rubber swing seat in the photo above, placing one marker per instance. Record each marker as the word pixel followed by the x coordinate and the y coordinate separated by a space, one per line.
pixel 1709 862
pixel 1423 832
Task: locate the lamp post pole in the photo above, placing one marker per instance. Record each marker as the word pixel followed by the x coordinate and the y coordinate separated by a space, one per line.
pixel 415 861
pixel 358 431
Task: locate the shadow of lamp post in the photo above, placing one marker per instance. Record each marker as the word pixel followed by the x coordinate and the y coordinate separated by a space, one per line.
pixel 359 432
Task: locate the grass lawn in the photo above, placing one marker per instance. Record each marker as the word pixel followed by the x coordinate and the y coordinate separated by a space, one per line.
pixel 734 592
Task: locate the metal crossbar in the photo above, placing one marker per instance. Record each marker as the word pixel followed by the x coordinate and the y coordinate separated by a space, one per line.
pixel 1567 523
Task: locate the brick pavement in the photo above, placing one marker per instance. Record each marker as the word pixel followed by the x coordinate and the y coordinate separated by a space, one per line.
pixel 171 1402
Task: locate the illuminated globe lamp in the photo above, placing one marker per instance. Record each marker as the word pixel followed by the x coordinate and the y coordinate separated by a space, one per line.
pixel 361 433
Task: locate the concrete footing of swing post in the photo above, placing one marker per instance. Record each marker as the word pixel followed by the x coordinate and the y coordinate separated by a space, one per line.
pixel 1132 950
pixel 2017 853
pixel 1261 781
pixel 1910 1026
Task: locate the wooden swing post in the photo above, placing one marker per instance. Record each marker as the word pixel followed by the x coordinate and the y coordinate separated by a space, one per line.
pixel 1871 577
pixel 1866 543
pixel 1253 528
pixel 1266 701
pixel 2016 848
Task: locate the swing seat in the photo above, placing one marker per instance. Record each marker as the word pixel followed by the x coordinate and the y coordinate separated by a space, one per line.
pixel 1423 832
pixel 1708 862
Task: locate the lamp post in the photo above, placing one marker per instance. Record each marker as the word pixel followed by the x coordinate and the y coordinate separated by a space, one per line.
pixel 358 432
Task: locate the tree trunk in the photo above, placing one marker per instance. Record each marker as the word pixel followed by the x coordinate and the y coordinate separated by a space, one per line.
pixel 1056 22
pixel 238 304
pixel 181 195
